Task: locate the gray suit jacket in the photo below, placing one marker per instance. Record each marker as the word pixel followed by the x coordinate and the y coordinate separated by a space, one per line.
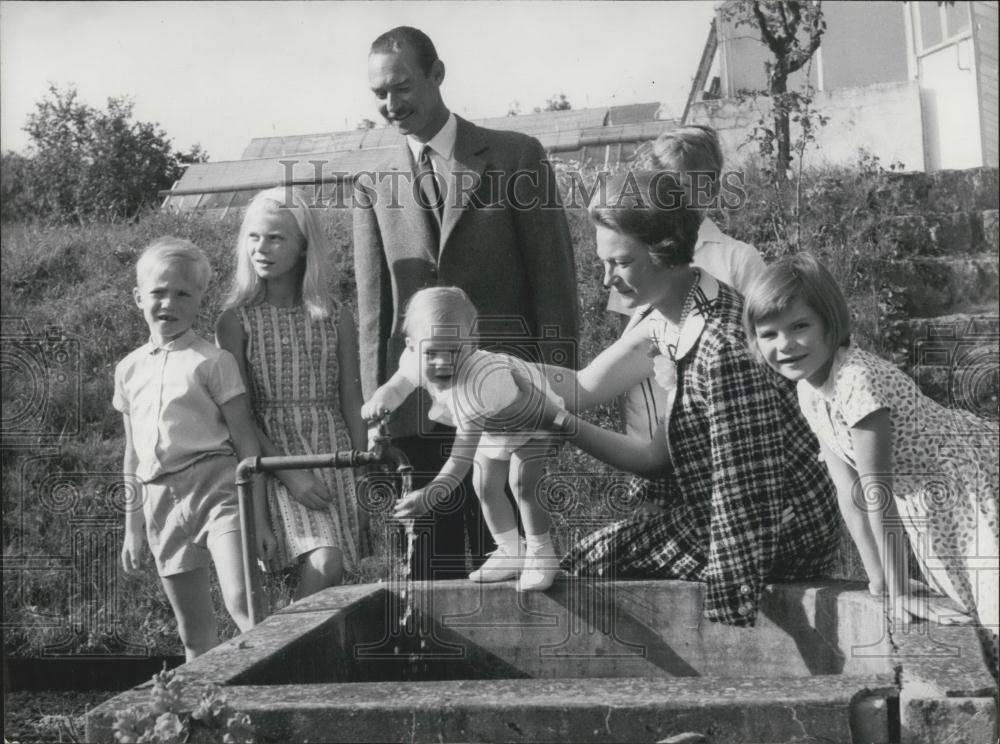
pixel 503 239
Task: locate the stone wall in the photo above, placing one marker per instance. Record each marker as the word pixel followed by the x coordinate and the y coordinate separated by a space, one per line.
pixel 944 227
pixel 884 119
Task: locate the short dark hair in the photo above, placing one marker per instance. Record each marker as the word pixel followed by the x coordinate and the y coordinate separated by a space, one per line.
pixel 395 39
pixel 651 207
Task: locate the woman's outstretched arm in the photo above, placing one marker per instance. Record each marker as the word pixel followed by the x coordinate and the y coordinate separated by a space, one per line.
pixel 617 369
pixel 639 456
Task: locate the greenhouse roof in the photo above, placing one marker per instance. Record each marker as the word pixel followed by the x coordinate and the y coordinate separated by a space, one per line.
pixel 603 135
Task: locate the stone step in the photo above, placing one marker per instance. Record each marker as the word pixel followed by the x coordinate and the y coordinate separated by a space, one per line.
pixel 830 708
pixel 935 286
pixel 941 234
pixel 939 192
pixel 955 359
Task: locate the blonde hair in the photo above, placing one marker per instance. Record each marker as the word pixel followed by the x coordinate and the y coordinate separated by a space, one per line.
pixel 248 288
pixel 444 311
pixel 795 277
pixel 170 251
pixel 686 151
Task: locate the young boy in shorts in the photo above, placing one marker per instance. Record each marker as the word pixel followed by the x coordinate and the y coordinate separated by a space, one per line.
pixel 187 420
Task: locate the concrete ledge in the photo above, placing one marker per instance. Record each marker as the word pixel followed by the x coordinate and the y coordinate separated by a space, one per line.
pixel 587 661
pixel 561 710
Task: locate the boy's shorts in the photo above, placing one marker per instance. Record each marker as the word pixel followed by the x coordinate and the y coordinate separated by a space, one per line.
pixel 187 510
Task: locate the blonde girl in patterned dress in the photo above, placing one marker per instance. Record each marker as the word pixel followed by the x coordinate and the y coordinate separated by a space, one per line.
pixel 893 453
pixel 297 352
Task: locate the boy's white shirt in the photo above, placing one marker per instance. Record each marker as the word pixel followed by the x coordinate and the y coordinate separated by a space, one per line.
pixel 172 395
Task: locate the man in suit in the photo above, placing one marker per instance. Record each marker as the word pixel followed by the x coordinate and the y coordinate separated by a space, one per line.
pixel 454 205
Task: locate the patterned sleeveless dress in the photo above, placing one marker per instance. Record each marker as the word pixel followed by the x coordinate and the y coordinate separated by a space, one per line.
pixel 294 388
pixel 946 479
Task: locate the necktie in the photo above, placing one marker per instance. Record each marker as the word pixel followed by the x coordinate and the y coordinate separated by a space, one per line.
pixel 429 184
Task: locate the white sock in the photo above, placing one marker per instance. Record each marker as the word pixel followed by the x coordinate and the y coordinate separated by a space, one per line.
pixel 509 541
pixel 539 544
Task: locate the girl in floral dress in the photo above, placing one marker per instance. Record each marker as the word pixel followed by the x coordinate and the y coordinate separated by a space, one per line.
pixel 894 454
pixel 297 351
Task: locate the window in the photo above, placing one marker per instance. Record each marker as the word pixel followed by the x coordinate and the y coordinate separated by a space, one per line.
pixel 216 200
pixel 940 24
pixel 956 18
pixel 930 25
pixel 241 199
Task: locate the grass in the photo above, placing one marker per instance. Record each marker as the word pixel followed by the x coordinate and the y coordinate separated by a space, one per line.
pixel 48 716
pixel 60 479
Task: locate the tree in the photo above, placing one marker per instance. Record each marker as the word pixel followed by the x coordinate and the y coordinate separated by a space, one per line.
pixel 14 201
pixel 84 163
pixel 791 30
pixel 557 102
pixel 195 154
pixel 365 124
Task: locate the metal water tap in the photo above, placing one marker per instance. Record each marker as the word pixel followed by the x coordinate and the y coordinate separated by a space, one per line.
pixel 385 453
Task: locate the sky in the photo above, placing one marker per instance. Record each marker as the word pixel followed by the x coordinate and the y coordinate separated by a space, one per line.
pixel 221 73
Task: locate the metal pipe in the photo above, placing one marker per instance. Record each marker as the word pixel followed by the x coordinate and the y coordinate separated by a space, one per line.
pixel 244 501
pixel 382 452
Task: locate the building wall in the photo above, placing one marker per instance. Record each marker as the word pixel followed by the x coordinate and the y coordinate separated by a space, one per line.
pixel 883 119
pixel 984 27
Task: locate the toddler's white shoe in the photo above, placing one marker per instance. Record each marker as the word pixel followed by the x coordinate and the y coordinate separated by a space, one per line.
pixel 539 573
pixel 500 566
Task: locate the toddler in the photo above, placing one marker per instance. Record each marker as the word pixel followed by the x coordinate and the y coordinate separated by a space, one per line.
pixel 467 385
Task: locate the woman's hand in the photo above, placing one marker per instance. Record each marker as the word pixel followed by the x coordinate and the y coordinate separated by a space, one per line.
pixel 531 404
pixel 305 488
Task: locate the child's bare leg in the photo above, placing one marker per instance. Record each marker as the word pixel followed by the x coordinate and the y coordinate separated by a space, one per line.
pixel 321 568
pixel 527 465
pixel 191 601
pixel 227 554
pixel 490 478
pixel 526 471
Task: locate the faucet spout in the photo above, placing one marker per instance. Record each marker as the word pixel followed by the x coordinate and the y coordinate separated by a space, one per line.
pixel 392 458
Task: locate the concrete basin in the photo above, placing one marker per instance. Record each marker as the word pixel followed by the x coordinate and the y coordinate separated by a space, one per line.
pixel 614 661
